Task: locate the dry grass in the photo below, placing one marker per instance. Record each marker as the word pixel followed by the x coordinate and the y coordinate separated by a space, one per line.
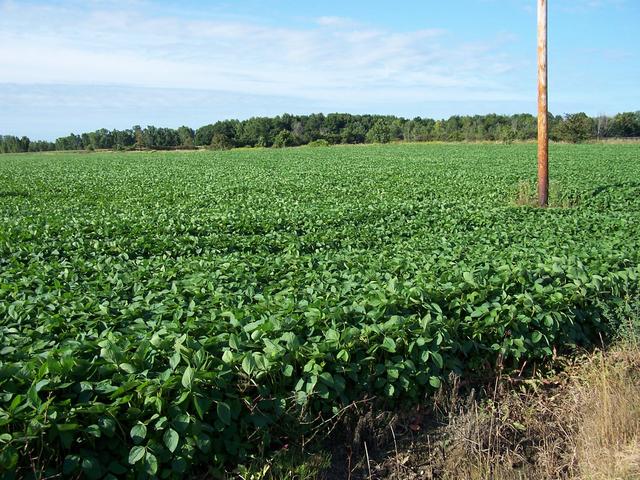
pixel 580 424
pixel 583 424
pixel 608 440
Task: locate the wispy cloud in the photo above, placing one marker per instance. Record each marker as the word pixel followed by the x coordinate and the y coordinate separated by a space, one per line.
pixel 83 64
pixel 121 43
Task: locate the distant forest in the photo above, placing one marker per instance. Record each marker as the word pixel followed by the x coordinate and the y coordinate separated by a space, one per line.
pixel 337 128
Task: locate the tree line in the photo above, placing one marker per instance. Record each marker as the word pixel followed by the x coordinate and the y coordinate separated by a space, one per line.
pixel 338 128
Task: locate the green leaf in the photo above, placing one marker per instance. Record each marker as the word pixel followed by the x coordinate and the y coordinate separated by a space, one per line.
pixel 332 335
pixel 138 433
pixel 92 468
pixel 389 344
pixel 171 439
pixel 187 377
pixel 224 413
pixel 41 384
pixel 174 360
pixel 9 459
pixel 94 431
pixel 287 371
pixel 389 390
pixel 127 367
pixel 468 277
pixel 71 464
pixel 248 364
pixel 435 382
pixel 32 395
pixel 7 350
pixel 202 404
pixel 536 336
pixel 203 442
pixel 301 398
pixel 327 379
pixel 136 454
pixel 107 426
pixel 393 374
pixel 179 465
pixel 150 464
pixel 233 342
pixel 437 358
pixel 181 422
pixel 227 356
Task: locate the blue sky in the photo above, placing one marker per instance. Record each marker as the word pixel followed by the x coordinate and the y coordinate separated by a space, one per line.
pixel 73 65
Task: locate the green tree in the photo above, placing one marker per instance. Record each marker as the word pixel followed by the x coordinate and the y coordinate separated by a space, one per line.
pixel 380 132
pixel 507 134
pixel 221 142
pixel 186 136
pixel 576 128
pixel 626 124
pixel 354 132
pixel 284 138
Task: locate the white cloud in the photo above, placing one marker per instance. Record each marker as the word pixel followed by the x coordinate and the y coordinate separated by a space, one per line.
pixel 122 43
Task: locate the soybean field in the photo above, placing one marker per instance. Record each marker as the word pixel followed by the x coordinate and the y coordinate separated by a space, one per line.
pixel 164 313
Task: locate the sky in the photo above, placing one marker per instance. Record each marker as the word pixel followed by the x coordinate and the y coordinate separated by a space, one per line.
pixel 79 65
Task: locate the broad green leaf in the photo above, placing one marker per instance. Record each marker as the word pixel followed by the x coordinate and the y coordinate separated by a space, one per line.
pixel 224 413
pixel 536 336
pixel 127 367
pixel 174 360
pixel 187 377
pixel 92 468
pixel 389 344
pixel 138 432
pixel 136 454
pixel 227 356
pixel 437 358
pixel 71 464
pixel 171 439
pixel 332 335
pixel 435 382
pixel 150 463
pixel 248 364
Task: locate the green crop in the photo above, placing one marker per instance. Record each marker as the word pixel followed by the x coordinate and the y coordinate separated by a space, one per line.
pixel 161 312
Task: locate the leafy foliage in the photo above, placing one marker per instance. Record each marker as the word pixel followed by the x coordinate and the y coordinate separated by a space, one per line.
pixel 167 311
pixel 221 142
pixel 291 130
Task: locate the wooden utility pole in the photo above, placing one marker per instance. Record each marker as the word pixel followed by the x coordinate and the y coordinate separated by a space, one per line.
pixel 543 107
